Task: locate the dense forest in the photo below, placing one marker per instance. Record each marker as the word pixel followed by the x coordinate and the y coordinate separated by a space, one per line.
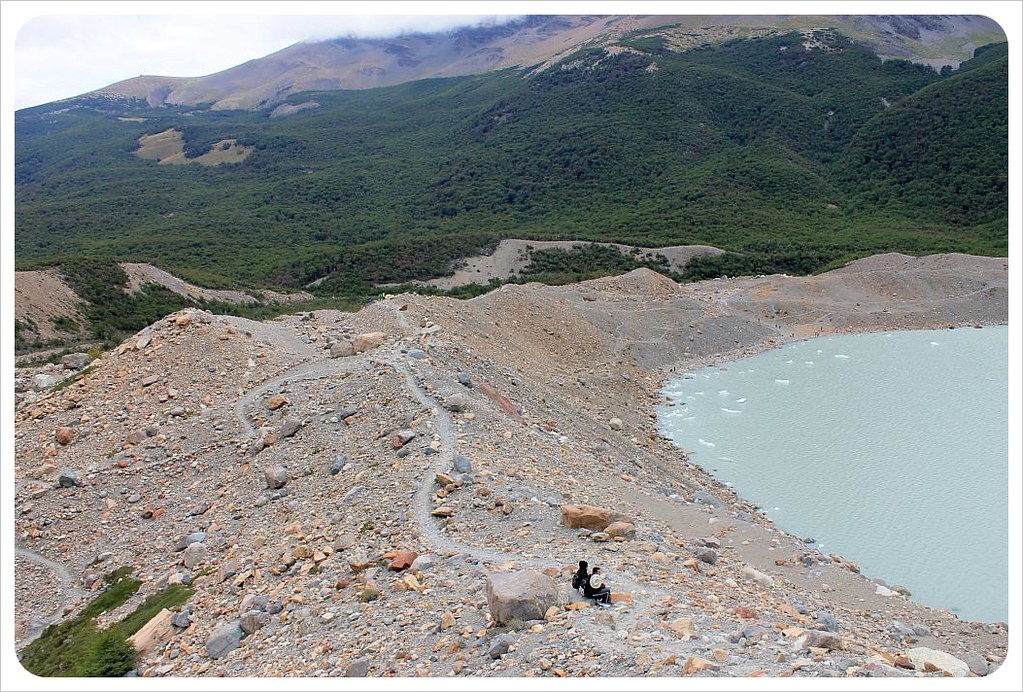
pixel 791 155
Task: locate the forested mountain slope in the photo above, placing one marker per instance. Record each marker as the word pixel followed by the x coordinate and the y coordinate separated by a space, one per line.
pixel 793 152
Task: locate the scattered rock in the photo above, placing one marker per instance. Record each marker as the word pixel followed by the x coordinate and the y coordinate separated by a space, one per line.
pixel 403 560
pixel 456 403
pixel 290 426
pixel 932 661
pixel 359 668
pixel 276 477
pixel 194 554
pixel 590 517
pixel 224 639
pixel 64 435
pixel 499 645
pixel 524 594
pixel 368 341
pixel 276 402
pixel 76 361
pixel 68 479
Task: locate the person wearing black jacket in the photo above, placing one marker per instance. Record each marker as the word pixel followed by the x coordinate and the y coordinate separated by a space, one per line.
pixel 582 576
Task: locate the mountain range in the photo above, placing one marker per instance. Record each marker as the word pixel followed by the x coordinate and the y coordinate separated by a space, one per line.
pixel 532 42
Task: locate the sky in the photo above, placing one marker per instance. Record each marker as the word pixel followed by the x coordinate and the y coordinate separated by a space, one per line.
pixel 60 55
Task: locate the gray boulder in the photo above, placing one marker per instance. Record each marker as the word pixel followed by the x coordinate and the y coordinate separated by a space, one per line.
pixel 827 621
pixel 194 554
pixel 359 668
pixel 462 464
pixel 183 618
pixel 290 426
pixel 342 349
pixel 500 645
pixel 76 361
pixel 197 537
pixel 705 498
pixel 224 639
pixel 522 595
pixel 276 477
pixel 456 402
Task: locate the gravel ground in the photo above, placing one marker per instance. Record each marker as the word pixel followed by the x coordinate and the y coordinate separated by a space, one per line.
pixel 548 394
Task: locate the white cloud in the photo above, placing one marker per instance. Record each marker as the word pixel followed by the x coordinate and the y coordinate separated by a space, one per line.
pixel 60 56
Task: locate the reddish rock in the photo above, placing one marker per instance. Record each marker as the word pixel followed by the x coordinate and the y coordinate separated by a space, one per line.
pixel 694 664
pixel 621 529
pixel 276 402
pixel 620 597
pixel 64 435
pixel 590 517
pixel 746 612
pixel 503 402
pixel 403 559
pixel 369 341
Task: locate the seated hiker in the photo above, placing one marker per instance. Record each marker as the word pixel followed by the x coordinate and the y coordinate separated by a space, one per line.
pixel 596 589
pixel 582 576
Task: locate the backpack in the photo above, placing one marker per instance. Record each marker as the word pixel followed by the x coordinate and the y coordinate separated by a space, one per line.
pixel 577 580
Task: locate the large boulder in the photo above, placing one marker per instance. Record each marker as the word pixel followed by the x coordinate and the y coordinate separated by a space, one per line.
pixel 76 361
pixel 154 633
pixel 224 639
pixel 522 595
pixel 591 517
pixel 369 341
pixel 933 661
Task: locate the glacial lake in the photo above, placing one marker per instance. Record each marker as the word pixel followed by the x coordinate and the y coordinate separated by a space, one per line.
pixel 889 449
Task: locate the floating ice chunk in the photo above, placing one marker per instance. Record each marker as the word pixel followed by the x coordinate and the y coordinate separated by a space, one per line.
pixel 689 418
pixel 726 458
pixel 782 381
pixel 935 343
pixel 741 401
pixel 730 410
pixel 807 362
pixel 842 355
pixel 705 443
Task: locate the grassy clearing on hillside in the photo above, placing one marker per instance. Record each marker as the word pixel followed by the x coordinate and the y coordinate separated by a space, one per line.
pixel 78 648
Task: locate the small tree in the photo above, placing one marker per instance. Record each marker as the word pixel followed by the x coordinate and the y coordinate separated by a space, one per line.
pixel 112 657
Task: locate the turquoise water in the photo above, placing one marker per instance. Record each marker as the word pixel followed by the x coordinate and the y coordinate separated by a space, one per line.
pixel 889 449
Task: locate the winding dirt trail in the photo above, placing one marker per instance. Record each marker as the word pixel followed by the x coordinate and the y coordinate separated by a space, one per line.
pixel 68 593
pixel 446 429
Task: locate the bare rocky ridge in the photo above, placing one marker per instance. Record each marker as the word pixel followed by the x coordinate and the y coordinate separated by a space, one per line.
pixel 341 515
pixel 510 257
